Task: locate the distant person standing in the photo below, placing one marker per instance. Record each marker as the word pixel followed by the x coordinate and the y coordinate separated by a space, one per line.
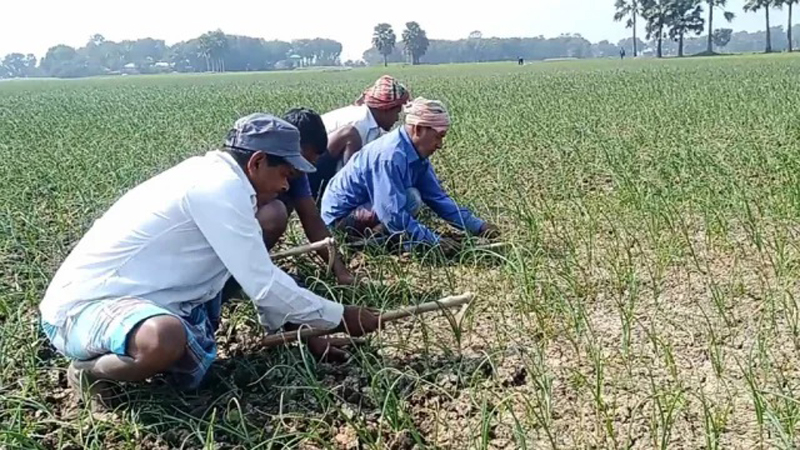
pixel 520 61
pixel 622 53
pixel 349 128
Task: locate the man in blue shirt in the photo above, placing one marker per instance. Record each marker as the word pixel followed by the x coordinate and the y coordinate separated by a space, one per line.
pixel 383 186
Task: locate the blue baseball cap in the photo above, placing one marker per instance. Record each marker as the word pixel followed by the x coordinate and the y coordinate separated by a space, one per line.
pixel 261 132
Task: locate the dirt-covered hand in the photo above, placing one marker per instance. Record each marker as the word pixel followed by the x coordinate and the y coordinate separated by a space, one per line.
pixel 450 247
pixel 358 321
pixel 489 231
pixel 327 350
pixel 343 276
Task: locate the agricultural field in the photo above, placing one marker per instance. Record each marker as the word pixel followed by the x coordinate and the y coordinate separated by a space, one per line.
pixel 648 296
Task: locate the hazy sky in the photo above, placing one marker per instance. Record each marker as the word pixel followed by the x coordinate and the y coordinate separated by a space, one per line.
pixel 32 26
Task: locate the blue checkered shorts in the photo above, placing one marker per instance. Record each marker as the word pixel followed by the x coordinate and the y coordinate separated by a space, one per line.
pixel 103 327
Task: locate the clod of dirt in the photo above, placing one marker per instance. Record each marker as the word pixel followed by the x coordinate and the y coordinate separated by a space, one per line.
pixel 519 377
pixel 402 441
pixel 347 438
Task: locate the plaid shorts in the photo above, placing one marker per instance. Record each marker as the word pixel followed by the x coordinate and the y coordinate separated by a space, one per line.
pixel 103 327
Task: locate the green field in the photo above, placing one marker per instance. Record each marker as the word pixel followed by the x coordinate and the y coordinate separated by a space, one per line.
pixel 649 297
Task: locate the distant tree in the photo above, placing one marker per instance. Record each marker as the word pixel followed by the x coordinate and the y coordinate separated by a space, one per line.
pixel 415 41
pixel 213 45
pixel 141 53
pixel 17 65
pixel 685 16
pixel 656 13
pixel 204 50
pixel 30 65
pixel 789 4
pixel 475 41
pixel 373 57
pixel 384 39
pixel 729 16
pixel 106 55
pixel 604 49
pixel 325 52
pixel 302 48
pixel 219 47
pixel 97 39
pixel 722 36
pixel 755 5
pixel 629 43
pixel 64 61
pixel 630 9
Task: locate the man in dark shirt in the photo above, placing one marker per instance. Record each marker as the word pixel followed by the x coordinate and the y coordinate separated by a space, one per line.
pixel 274 216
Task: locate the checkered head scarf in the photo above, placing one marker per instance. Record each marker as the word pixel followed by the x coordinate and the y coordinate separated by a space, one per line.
pixel 386 93
pixel 427 113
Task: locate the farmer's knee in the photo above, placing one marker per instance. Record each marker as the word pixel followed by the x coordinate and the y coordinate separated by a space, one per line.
pixel 273 218
pixel 158 342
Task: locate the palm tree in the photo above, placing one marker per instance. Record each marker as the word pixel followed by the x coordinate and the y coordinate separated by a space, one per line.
pixel 475 43
pixel 220 48
pixel 204 49
pixel 788 3
pixel 383 39
pixel 628 8
pixel 729 16
pixel 416 41
pixel 755 5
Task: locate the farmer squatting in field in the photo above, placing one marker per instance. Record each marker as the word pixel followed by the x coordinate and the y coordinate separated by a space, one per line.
pixel 274 216
pixel 350 128
pixel 141 293
pixel 382 188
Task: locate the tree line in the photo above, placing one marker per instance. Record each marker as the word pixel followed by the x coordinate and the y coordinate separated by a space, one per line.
pixel 676 20
pixel 214 51
pixel 672 27
pixel 477 48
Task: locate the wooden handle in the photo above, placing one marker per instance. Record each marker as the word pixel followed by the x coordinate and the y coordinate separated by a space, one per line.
pixel 389 316
pixel 291 336
pixel 490 246
pixel 312 247
pixel 447 302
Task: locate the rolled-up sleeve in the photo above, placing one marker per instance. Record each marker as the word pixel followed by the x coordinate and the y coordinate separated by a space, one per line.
pixel 225 217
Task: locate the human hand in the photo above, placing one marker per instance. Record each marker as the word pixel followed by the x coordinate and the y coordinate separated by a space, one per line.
pixel 450 247
pixel 327 350
pixel 365 218
pixel 358 321
pixel 489 231
pixel 343 276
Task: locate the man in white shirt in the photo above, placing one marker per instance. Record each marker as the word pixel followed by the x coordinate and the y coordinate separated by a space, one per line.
pixel 141 295
pixel 350 128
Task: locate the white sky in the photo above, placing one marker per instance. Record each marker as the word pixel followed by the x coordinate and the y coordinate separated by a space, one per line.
pixel 32 26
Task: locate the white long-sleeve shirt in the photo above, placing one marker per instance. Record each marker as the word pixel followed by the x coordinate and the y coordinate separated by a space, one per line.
pixel 175 240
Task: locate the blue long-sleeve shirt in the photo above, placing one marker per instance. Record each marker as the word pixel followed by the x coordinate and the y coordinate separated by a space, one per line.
pixel 379 175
